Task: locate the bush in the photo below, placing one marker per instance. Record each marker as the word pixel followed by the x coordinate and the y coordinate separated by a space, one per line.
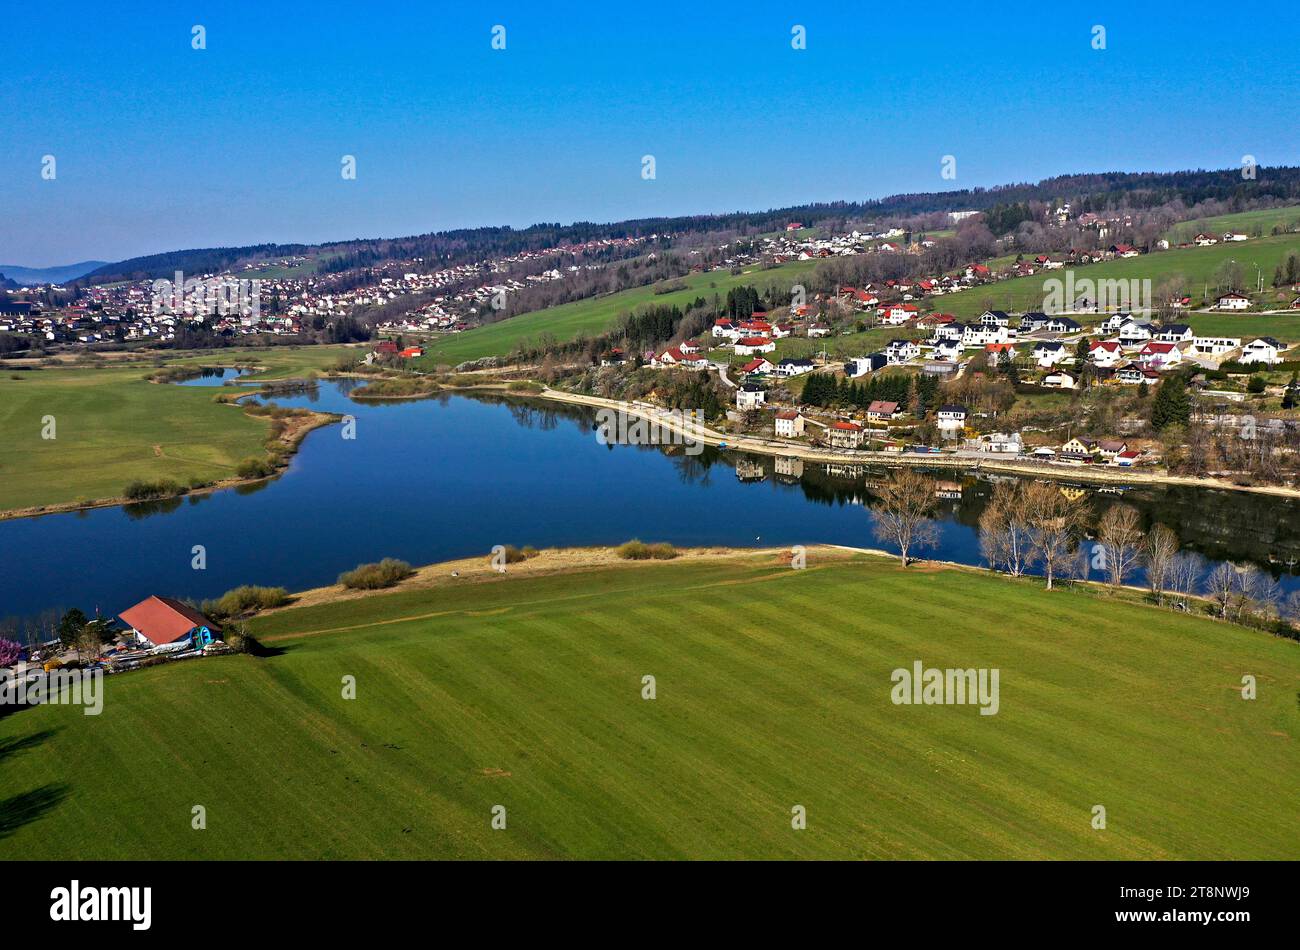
pixel 142 491
pixel 254 468
pixel 514 555
pixel 374 576
pixel 635 550
pixel 240 640
pixel 242 600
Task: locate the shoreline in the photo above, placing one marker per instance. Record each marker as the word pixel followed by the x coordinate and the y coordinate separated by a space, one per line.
pixel 808 453
pixel 292 439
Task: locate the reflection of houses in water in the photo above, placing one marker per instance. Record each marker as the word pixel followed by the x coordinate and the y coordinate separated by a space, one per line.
pixel 948 490
pixel 789 468
pixel 845 471
pixel 748 470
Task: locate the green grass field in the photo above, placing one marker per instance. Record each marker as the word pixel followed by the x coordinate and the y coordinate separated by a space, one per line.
pixel 595 315
pixel 1196 265
pixel 773 690
pixel 112 427
pixel 1247 222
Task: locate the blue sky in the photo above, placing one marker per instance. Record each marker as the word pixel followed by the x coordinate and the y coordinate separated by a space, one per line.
pixel 159 146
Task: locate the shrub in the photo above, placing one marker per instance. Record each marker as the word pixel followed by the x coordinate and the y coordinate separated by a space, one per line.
pixel 514 555
pixel 240 640
pixel 142 491
pixel 635 550
pixel 242 600
pixel 374 576
pixel 254 468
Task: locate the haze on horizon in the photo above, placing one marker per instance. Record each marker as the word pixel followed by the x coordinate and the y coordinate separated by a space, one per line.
pixel 161 147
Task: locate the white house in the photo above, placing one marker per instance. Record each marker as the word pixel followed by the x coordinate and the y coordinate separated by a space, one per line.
pixel 1215 345
pixel 947 350
pixel 675 358
pixel 844 435
pixel 1174 333
pixel 789 423
pixel 1059 380
pixel 951 420
pixel 861 365
pixel 1264 349
pixel 749 345
pixel 1156 355
pixel 1232 301
pixel 1050 353
pixel 900 351
pixel 1105 353
pixel 750 396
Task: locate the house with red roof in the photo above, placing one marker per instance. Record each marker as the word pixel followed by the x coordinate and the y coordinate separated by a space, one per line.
pixel 749 345
pixel 164 622
pixel 1157 355
pixel 844 435
pixel 1105 353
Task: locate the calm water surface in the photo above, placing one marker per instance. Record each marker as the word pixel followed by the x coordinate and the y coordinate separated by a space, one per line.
pixel 429 480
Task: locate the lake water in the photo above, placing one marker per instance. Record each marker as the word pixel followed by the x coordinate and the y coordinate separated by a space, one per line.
pixel 428 480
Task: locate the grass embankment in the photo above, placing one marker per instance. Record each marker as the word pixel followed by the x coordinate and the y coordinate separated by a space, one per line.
pixel 772 690
pixel 595 315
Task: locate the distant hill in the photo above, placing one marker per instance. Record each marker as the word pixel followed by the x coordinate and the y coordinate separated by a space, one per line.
pixel 27 276
pixel 1089 192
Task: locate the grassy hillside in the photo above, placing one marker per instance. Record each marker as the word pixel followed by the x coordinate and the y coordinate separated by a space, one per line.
pixel 773 690
pixel 1196 265
pixel 568 321
pixel 1247 222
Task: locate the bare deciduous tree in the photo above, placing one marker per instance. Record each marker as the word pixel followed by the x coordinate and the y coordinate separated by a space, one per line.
pixel 1055 521
pixel 1004 529
pixel 1222 587
pixel 903 514
pixel 1185 574
pixel 1159 549
pixel 1120 534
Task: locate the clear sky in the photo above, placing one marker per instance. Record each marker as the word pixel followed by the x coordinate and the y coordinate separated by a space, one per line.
pixel 159 146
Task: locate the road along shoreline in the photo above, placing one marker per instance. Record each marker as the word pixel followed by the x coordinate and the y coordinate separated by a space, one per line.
pixel 674 422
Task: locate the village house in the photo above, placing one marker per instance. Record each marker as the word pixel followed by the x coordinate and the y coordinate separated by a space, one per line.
pixel 951 420
pixel 1059 380
pixel 1263 349
pixel 1135 374
pixel 1109 448
pixel 1215 345
pixel 759 366
pixel 1160 356
pixel 794 367
pixel 1000 443
pixel 862 365
pixel 789 424
pixel 164 622
pixel 1049 353
pixel 1106 353
pixel 947 350
pixel 749 345
pixel 900 351
pixel 1232 301
pixel 1078 450
pixel 844 435
pixel 1133 333
pixel 1174 333
pixel 1000 353
pixel 676 358
pixel 750 396
pixel 883 411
